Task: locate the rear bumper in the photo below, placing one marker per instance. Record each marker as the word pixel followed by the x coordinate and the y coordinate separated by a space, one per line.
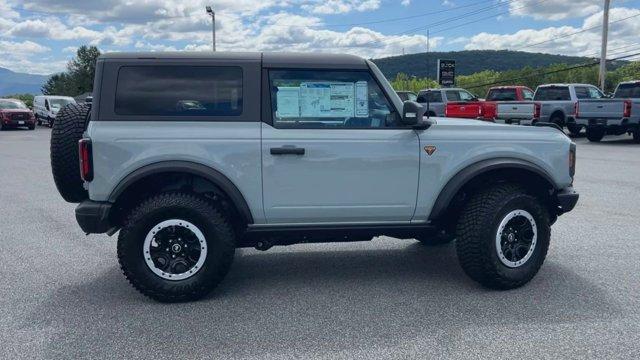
pixel 608 122
pixel 93 216
pixel 567 199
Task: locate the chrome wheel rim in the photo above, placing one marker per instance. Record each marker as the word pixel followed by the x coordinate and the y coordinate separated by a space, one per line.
pixel 175 249
pixel 516 238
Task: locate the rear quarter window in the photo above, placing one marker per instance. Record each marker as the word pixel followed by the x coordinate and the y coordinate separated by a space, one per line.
pixel 179 90
pixel 552 93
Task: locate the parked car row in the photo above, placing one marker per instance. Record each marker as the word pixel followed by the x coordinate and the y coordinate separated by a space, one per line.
pixel 574 106
pixel 14 113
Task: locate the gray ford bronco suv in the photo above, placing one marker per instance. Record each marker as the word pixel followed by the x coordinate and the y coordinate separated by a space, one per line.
pixel 190 156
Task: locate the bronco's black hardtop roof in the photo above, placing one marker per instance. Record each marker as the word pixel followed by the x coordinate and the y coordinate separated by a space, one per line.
pixel 284 59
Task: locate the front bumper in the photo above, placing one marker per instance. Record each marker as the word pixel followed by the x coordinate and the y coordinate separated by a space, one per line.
pixel 17 123
pixel 93 216
pixel 567 199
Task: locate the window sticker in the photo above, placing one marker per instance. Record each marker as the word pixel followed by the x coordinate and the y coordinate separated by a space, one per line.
pixel 288 102
pixel 327 99
pixel 362 99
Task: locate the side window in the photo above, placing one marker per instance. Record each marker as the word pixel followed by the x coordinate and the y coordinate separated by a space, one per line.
pixel 430 96
pixel 582 92
pixel 46 104
pixel 452 95
pixel 527 94
pixel 328 99
pixel 595 93
pixel 466 96
pixel 412 97
pixel 179 90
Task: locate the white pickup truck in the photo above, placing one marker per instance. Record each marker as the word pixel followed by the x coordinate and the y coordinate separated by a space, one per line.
pixel 613 116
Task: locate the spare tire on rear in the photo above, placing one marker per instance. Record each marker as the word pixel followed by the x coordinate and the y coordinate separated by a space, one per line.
pixel 68 128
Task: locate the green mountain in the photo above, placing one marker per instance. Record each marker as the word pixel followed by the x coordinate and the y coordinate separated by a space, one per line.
pixel 468 62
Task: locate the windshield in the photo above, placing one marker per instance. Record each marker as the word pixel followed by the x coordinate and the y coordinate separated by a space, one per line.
pixel 59 103
pixel 628 91
pixel 12 104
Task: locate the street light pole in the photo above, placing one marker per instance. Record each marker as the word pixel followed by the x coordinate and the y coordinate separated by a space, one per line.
pixel 213 26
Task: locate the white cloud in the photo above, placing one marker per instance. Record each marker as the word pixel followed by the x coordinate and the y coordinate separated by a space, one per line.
pixel 558 40
pixel 405 2
pixel 20 49
pixel 554 10
pixel 70 49
pixel 340 6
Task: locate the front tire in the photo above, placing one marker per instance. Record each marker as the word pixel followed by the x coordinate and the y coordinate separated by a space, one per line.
pixel 595 134
pixel 503 236
pixel 175 247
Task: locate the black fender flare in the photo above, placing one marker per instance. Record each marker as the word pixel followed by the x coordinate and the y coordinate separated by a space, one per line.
pixel 189 167
pixel 462 177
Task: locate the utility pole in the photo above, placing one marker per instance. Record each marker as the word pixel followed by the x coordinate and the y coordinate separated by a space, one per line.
pixel 427 41
pixel 603 51
pixel 213 26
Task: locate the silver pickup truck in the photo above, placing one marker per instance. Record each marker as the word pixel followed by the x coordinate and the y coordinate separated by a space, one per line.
pixel 615 116
pixel 558 103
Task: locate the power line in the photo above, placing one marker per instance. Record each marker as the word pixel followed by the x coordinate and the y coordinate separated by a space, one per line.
pixel 573 33
pixel 384 20
pixel 549 72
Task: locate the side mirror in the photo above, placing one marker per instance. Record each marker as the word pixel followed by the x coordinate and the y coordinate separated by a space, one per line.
pixel 412 113
pixel 88 99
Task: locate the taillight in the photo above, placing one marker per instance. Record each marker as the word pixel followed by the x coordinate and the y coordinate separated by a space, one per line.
pixel 572 160
pixel 536 110
pixel 627 108
pixel 576 108
pixel 86 161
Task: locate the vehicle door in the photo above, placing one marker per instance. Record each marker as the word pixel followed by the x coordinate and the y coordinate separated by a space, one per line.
pixel 333 150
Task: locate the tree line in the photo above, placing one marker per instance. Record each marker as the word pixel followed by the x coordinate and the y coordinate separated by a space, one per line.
pixel 480 82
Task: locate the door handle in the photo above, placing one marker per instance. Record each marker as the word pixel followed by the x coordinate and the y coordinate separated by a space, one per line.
pixel 287 150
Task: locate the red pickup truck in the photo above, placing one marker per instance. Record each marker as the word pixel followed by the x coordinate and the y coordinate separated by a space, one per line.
pixel 487 109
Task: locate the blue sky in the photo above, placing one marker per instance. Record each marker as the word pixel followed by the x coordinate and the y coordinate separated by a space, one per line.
pixel 40 36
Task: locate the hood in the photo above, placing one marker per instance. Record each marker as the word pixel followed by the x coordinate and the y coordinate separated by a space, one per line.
pixel 484 130
pixel 15 111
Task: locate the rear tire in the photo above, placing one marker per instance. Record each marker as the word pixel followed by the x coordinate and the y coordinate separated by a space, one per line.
pixel 636 136
pixel 557 119
pixel 595 134
pixel 157 277
pixel 485 254
pixel 574 129
pixel 69 127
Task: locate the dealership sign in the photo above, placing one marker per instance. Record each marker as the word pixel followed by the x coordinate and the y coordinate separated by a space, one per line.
pixel 446 72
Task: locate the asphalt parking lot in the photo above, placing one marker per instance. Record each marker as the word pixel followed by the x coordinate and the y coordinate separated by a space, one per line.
pixel 62 294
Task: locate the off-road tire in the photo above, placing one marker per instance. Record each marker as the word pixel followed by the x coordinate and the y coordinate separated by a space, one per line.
pixel 68 129
pixel 215 227
pixel 595 134
pixel 574 129
pixel 476 236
